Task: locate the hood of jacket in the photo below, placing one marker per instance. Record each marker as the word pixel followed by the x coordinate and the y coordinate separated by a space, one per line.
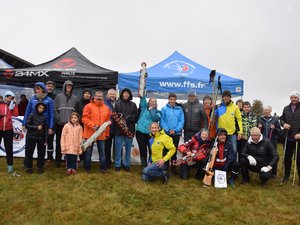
pixel 41 85
pixel 65 84
pixel 127 90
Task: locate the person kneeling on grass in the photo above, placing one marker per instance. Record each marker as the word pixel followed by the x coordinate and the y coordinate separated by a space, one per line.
pixel 259 156
pixel 71 142
pixel 159 143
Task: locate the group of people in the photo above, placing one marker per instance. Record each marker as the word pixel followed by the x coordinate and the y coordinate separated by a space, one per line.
pixel 244 141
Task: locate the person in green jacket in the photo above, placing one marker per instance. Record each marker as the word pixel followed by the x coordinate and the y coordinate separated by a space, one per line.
pixel 162 148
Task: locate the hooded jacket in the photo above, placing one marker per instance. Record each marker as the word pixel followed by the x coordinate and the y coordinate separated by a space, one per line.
pixel 33 121
pixel 6 116
pixel 172 118
pixel 31 107
pixel 95 114
pixel 82 103
pixel 263 151
pixel 158 143
pixel 70 141
pixel 147 117
pixel 64 105
pixel 128 110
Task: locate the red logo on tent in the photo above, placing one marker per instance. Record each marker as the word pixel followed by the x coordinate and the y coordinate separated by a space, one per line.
pixel 65 63
pixel 179 67
pixel 8 73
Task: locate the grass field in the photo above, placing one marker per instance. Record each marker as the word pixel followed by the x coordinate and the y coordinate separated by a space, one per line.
pixel 122 198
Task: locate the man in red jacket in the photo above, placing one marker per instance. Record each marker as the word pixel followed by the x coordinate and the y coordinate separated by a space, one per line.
pixel 8 109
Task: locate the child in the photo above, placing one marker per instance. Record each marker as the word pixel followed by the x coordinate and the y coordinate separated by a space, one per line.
pixel 195 151
pixel 36 124
pixel 71 142
pixel 8 109
pixel 162 149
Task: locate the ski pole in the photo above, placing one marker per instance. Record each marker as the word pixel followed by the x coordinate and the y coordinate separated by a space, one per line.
pixel 295 167
pixel 283 167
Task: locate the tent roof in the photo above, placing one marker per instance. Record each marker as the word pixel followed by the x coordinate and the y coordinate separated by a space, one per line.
pixel 13 60
pixel 71 65
pixel 179 74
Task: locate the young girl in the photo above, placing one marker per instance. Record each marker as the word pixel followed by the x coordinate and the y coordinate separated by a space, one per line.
pixel 71 141
pixel 195 153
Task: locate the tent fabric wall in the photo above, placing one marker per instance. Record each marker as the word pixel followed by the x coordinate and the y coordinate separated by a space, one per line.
pixel 179 74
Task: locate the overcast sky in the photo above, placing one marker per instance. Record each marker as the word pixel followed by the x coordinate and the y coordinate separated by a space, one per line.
pixel 254 40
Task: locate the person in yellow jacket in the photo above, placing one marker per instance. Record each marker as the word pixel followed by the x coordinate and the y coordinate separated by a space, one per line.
pixel 229 117
pixel 159 143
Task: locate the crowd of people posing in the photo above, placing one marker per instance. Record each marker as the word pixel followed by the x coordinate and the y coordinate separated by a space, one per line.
pixel 244 142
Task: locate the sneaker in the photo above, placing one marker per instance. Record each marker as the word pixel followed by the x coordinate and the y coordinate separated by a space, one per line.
pixel 10 169
pixel 73 171
pixel 29 170
pixel 69 171
pixel 231 182
pixel 127 168
pixel 40 170
pixel 15 174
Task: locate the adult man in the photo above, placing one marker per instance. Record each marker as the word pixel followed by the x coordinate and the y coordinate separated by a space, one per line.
pixel 270 128
pixel 229 117
pixel 194 116
pixel 64 105
pixel 290 120
pixel 129 111
pixel 94 115
pixel 110 102
pixel 259 156
pixel 172 121
pixel 8 109
pixel 50 86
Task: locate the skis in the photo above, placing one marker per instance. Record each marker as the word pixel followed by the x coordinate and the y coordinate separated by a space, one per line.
pixel 142 80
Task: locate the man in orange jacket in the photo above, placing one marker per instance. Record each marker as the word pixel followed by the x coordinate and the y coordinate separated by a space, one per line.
pixel 93 116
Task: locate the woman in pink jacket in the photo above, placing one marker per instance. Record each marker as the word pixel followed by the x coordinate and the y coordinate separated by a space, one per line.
pixel 71 142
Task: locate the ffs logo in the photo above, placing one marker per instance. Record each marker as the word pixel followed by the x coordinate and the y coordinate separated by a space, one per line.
pixel 179 67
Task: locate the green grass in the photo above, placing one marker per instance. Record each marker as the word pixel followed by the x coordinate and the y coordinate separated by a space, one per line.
pixel 122 198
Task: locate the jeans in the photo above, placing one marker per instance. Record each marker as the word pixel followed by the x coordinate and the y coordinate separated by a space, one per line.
pixel 71 161
pixel 119 140
pixel 232 139
pixel 88 156
pixel 153 171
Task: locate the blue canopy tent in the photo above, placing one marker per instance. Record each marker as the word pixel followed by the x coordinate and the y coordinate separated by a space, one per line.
pixel 178 74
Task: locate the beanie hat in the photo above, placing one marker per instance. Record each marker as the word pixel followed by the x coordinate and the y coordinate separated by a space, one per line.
pixel 191 93
pixel 50 82
pixel 226 93
pixel 295 93
pixel 222 131
pixel 41 85
pixel 10 93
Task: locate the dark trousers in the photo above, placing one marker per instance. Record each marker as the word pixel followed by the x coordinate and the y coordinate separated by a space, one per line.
pixel 246 167
pixel 144 147
pixel 7 135
pixel 108 143
pixel 59 129
pixel 174 157
pixel 233 167
pixel 29 150
pixel 71 161
pixel 185 168
pixel 289 152
pixel 50 146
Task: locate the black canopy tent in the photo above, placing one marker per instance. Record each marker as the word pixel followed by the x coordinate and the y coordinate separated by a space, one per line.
pixel 14 61
pixel 71 65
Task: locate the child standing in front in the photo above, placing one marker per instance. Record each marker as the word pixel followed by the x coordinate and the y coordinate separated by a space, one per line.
pixel 36 124
pixel 71 142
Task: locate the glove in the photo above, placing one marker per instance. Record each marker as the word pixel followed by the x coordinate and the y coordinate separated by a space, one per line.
pixel 266 169
pixel 12 105
pixel 252 161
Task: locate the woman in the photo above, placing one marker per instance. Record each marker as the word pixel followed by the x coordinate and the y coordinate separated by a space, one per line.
pixel 162 149
pixel 148 114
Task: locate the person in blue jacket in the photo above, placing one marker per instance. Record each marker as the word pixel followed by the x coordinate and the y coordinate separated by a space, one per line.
pixel 148 114
pixel 172 121
pixel 40 95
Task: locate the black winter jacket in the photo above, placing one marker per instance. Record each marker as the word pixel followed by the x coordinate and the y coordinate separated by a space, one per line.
pixel 291 118
pixel 194 116
pixel 264 152
pixel 32 123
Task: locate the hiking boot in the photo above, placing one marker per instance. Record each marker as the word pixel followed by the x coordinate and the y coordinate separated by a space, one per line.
pixel 10 169
pixel 49 163
pixel 29 170
pixel 127 168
